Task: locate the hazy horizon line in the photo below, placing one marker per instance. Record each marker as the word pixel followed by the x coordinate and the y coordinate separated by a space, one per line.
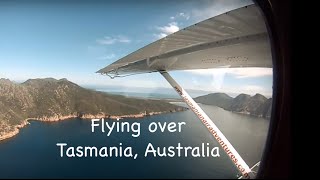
pixel 100 87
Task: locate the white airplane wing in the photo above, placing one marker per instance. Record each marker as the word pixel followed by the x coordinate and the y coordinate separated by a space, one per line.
pixel 237 38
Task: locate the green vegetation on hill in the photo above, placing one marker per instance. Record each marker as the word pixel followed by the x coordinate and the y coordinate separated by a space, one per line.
pixel 257 105
pixel 48 97
pixel 217 99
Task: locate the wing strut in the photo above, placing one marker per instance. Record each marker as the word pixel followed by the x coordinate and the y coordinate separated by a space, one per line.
pixel 213 129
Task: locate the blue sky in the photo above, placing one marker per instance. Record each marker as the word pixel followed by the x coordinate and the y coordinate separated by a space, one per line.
pixel 64 39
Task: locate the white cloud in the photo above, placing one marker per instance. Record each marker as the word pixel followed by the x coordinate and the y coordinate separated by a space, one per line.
pixel 123 39
pixel 223 86
pixel 237 72
pixel 166 30
pixel 107 40
pixel 251 72
pixel 218 83
pixel 181 16
pixel 170 28
pixel 109 56
pixel 253 88
pixel 248 89
pixel 184 15
pixel 160 35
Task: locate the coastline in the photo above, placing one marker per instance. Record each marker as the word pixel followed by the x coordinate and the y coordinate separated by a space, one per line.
pixel 15 131
pixel 249 114
pixel 240 112
pixel 16 128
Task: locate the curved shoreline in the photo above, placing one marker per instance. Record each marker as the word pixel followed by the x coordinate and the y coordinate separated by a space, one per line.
pixel 83 116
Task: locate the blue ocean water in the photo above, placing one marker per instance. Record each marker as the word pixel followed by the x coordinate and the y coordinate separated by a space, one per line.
pixel 33 152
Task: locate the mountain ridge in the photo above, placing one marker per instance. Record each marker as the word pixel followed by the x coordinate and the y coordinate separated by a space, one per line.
pixel 257 105
pixel 51 99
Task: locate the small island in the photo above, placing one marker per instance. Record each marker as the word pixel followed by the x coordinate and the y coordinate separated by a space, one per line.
pixel 52 100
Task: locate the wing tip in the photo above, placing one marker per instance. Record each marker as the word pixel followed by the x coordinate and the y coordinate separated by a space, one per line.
pixel 100 71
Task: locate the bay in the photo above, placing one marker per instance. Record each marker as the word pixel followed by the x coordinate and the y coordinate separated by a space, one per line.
pixel 33 152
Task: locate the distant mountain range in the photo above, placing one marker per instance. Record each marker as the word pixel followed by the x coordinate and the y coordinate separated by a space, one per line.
pixel 159 92
pixel 52 99
pixel 256 105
